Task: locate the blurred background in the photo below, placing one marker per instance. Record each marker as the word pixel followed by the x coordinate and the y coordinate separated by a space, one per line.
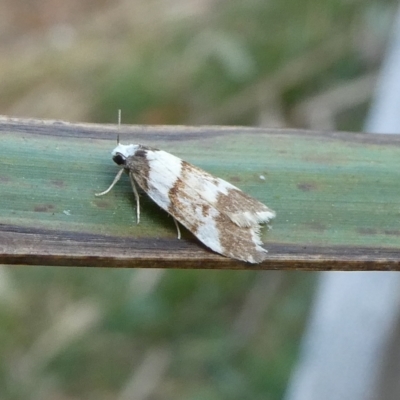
pixel 74 333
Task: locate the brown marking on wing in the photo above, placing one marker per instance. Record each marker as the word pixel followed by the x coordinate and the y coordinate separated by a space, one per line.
pixel 177 198
pixel 236 201
pixel 139 167
pixel 188 168
pixel 239 242
pixel 205 210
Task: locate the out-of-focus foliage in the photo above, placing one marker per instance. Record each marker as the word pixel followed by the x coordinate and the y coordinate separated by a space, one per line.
pixel 195 61
pixel 122 334
pixel 238 61
pixel 87 332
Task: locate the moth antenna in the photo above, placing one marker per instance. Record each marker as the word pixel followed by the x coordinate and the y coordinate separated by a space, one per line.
pixel 119 124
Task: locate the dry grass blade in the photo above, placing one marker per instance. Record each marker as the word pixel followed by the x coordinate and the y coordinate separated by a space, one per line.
pixel 336 196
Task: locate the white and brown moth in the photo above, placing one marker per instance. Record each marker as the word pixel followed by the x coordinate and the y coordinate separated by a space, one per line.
pixel 219 214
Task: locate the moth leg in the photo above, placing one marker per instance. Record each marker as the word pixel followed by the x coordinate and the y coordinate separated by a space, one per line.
pixel 177 227
pixel 135 192
pixel 116 179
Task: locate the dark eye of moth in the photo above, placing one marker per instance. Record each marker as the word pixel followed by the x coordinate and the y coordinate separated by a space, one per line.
pixel 118 159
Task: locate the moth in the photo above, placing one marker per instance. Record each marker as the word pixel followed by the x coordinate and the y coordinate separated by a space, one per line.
pixel 220 215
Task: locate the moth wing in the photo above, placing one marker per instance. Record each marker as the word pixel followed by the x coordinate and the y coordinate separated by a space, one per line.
pixel 242 209
pixel 178 188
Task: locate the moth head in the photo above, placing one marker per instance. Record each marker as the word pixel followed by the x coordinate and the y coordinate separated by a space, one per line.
pixel 122 152
pixel 119 159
